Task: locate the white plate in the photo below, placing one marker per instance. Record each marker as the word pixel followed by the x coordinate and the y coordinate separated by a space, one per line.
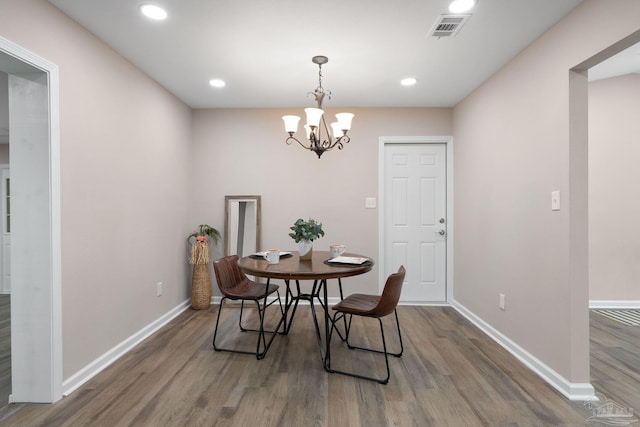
pixel 349 260
pixel 263 253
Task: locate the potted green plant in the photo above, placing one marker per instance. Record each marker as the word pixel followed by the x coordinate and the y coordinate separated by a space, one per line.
pixel 201 281
pixel 304 233
pixel 205 231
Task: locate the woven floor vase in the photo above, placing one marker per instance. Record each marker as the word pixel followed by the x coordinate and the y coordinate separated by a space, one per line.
pixel 200 287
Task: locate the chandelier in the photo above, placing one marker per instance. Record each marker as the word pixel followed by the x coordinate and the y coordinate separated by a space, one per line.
pixel 319 139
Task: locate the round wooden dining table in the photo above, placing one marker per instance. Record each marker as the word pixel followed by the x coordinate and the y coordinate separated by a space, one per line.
pixel 318 269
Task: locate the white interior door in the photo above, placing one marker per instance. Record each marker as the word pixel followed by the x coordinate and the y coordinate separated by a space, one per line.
pixel 5 239
pixel 415 218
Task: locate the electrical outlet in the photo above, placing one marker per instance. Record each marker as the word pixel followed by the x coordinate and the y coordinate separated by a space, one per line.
pixel 503 302
pixel 158 289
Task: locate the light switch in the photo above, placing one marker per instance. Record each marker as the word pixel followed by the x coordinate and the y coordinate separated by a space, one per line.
pixel 555 200
pixel 370 203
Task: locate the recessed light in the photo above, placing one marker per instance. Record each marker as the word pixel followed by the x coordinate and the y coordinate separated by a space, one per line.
pixel 409 81
pixel 152 11
pixel 461 6
pixel 217 83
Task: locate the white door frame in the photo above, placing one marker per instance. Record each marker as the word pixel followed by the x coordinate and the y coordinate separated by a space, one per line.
pixel 5 288
pixel 37 328
pixel 448 141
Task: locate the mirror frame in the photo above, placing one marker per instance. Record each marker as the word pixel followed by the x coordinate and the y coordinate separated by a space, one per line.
pixel 229 201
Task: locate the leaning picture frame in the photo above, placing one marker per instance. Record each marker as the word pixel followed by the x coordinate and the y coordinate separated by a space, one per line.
pixel 242 224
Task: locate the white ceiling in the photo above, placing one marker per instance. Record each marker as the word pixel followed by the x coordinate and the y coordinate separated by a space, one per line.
pixel 263 49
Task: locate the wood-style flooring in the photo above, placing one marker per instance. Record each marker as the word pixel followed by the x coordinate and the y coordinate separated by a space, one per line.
pixel 451 374
pixel 5 348
pixel 615 361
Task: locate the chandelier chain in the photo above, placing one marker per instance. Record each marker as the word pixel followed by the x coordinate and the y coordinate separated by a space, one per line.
pixel 320 88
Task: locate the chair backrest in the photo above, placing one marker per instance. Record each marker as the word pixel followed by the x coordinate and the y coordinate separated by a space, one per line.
pixel 390 294
pixel 228 274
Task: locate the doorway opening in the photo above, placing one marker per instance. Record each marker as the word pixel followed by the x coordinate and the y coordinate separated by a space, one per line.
pixel 579 181
pixel 34 152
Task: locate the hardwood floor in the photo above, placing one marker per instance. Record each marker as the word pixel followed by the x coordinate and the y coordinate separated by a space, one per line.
pixel 451 374
pixel 5 348
pixel 615 360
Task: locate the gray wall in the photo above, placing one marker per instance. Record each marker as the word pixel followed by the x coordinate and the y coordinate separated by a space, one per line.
pixel 243 151
pixel 519 137
pixel 126 173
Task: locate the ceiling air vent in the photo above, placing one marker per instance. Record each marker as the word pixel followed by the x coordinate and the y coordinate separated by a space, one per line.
pixel 448 25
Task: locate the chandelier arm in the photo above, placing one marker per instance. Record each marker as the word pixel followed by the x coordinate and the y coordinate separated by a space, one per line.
pixel 327 143
pixel 292 138
pixel 344 139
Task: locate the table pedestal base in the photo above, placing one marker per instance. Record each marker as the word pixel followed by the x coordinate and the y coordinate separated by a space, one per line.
pixel 318 293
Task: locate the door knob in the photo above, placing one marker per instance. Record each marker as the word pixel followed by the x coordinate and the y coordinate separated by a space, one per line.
pixel 441 220
pixel 441 232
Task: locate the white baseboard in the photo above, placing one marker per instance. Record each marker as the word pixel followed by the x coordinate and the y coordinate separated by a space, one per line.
pixel 603 304
pixel 424 303
pixel 102 362
pixel 572 391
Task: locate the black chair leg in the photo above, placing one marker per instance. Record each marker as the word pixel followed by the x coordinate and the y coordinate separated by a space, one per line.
pixel 346 328
pixel 399 336
pixel 215 332
pixel 397 354
pixel 342 316
pixel 261 336
pixel 263 307
pixel 262 345
pixel 240 319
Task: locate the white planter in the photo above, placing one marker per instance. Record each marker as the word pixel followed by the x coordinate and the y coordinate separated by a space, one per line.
pixel 304 249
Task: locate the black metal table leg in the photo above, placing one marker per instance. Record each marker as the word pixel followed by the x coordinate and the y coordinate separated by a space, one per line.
pixel 314 294
pixel 291 300
pixel 327 352
pixel 320 292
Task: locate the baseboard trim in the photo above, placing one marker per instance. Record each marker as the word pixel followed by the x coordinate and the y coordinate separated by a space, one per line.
pixel 424 303
pixel 102 362
pixel 623 305
pixel 572 391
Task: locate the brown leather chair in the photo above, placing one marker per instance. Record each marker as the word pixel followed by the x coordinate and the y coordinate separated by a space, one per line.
pixel 375 306
pixel 234 285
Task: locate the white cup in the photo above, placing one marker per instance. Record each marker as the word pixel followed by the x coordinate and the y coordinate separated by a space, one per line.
pixel 272 256
pixel 337 250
